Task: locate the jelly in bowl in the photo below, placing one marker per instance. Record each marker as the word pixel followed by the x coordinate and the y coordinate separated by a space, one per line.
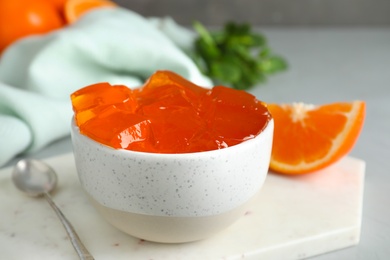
pixel 157 194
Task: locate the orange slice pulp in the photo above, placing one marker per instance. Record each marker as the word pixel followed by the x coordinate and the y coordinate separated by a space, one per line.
pixel 308 138
pixel 74 9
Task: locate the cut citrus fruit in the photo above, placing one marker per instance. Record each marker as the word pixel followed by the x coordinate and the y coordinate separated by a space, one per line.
pixel 74 9
pixel 308 138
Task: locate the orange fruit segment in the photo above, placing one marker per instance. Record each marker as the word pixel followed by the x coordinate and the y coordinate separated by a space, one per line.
pixel 308 138
pixel 74 9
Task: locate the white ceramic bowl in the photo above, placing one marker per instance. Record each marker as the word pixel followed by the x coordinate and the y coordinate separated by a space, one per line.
pixel 172 198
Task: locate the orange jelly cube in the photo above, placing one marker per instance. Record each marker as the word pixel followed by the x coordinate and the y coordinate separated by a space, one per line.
pixel 89 101
pixel 168 115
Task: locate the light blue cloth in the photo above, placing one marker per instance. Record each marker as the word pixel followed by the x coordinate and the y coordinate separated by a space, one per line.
pixel 38 74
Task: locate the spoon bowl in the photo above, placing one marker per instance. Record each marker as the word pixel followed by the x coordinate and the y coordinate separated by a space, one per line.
pixel 34 177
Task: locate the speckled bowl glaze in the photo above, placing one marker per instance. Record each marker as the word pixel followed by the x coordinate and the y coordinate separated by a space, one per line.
pixel 172 198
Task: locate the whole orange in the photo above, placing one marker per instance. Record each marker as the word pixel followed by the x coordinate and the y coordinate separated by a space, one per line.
pixel 20 18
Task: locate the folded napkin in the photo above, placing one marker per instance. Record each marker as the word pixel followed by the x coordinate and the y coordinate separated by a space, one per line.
pixel 38 73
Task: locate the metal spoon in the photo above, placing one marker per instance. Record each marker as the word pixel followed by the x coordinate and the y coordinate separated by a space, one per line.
pixel 36 178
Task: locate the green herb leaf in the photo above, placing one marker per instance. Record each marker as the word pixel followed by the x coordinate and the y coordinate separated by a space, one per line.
pixel 235 56
pixel 272 64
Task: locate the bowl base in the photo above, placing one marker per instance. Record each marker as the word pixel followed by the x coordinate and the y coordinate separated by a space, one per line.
pixel 163 229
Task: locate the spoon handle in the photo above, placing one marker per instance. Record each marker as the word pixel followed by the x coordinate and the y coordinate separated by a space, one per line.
pixel 74 238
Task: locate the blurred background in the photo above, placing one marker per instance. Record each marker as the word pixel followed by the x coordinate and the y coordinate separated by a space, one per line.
pixel 311 13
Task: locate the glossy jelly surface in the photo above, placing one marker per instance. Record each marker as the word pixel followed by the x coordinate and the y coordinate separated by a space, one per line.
pixel 168 114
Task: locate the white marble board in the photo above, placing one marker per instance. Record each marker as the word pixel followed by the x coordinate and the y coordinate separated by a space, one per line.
pixel 292 218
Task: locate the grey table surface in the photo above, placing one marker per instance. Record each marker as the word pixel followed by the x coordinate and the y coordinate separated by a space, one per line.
pixel 329 65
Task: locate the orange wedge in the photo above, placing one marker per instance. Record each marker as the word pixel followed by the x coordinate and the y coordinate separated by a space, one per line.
pixel 308 138
pixel 74 9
